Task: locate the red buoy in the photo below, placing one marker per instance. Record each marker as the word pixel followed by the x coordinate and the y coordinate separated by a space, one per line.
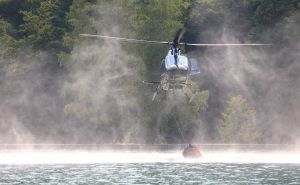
pixel 191 152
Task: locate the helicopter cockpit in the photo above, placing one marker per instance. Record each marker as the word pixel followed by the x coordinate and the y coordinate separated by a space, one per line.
pixel 170 63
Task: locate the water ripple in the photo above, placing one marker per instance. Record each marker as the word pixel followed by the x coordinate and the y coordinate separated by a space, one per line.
pixel 151 173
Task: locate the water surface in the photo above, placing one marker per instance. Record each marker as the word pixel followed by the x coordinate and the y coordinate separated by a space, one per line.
pixel 151 173
pixel 107 167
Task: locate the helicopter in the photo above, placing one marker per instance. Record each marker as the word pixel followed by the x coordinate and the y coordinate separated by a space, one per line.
pixel 176 69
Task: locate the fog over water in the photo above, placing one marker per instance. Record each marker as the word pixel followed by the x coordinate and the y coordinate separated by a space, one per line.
pixel 23 157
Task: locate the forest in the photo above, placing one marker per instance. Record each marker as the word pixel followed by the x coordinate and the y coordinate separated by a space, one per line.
pixel 58 87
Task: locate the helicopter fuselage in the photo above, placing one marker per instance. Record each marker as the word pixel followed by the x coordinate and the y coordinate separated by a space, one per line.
pixel 174 70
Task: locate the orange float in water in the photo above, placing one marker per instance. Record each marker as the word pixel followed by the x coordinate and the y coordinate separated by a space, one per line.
pixel 191 152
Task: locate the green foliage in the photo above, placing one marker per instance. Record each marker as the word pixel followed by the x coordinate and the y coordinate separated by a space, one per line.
pixel 53 26
pixel 45 28
pixel 155 20
pixel 179 119
pixel 268 13
pixel 238 122
pixel 8 43
pixel 80 20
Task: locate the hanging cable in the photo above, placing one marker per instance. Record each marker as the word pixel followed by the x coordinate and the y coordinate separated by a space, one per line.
pixel 178 127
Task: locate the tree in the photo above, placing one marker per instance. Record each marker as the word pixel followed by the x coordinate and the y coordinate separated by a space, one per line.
pixel 44 27
pixel 268 13
pixel 238 122
pixel 8 43
pixel 155 20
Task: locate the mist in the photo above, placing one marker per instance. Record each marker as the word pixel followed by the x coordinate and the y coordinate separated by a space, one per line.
pixel 30 105
pixel 88 100
pixel 266 76
pixel 96 96
pixel 100 101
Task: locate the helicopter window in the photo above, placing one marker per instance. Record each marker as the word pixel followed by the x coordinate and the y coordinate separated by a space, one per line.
pixel 170 63
pixel 194 68
pixel 182 63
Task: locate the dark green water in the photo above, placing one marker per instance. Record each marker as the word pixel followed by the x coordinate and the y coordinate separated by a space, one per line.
pixel 151 173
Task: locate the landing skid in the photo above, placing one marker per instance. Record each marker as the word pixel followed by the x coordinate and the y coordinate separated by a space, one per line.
pixel 168 85
pixel 151 82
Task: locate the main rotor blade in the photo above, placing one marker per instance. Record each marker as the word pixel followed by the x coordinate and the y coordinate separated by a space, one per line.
pixel 203 45
pixel 178 36
pixel 124 39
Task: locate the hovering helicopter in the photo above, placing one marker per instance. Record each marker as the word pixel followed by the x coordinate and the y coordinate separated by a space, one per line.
pixel 176 69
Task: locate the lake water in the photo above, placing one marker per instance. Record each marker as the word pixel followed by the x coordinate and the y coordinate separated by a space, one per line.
pixel 82 167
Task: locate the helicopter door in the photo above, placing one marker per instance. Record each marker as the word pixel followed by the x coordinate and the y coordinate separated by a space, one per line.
pixel 183 63
pixel 194 69
pixel 170 63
